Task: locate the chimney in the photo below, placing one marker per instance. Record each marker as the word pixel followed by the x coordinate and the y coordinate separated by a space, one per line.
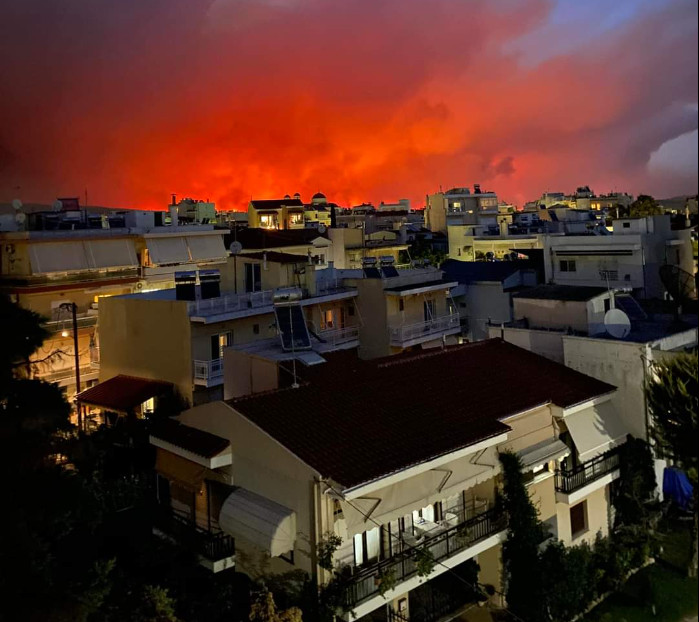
pixel 174 221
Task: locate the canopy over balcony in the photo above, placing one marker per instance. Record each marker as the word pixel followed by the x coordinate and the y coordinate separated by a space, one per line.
pixel 265 523
pixel 596 430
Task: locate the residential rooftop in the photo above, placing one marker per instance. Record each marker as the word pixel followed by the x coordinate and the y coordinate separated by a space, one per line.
pixel 355 421
pixel 567 293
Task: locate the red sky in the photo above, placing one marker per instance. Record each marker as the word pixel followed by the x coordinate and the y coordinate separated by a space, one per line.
pixel 366 100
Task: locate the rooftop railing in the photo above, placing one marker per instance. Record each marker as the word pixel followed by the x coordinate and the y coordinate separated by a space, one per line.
pixel 229 303
pixel 401 334
pixel 211 545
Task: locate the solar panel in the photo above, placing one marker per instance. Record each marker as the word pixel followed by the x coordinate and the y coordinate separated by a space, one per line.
pixel 293 331
pixel 630 306
pixel 389 272
pixel 372 273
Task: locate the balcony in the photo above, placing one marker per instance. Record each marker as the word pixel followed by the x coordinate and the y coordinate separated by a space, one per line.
pixel 230 303
pixel 412 334
pixel 574 484
pixel 216 550
pixel 208 373
pixel 463 539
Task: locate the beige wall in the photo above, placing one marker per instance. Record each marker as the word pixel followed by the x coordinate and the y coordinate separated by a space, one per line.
pixel 146 338
pixel 245 374
pixel 597 518
pixel 543 342
pixel 529 429
pixel 551 313
pixel 543 496
pixel 373 335
pixel 263 466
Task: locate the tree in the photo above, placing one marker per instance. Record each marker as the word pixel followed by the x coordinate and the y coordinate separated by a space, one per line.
pixel 645 205
pixel 673 402
pixel 520 551
pixel 636 485
pixel 264 609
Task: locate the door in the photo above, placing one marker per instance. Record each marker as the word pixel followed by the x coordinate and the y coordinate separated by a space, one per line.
pixel 253 278
pixel 218 342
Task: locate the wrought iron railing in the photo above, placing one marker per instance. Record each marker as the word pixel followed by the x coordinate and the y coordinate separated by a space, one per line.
pixel 211 545
pixel 366 582
pixel 408 332
pixel 570 480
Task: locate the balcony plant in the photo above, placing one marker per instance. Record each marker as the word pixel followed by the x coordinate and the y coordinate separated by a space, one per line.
pixel 424 562
pixel 326 548
pixel 386 581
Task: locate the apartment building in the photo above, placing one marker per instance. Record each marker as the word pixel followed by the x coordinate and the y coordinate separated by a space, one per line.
pixel 345 451
pixel 179 335
pixel 458 206
pixel 309 242
pixel 354 245
pixel 286 213
pixel 484 292
pixel 629 258
pixel 63 264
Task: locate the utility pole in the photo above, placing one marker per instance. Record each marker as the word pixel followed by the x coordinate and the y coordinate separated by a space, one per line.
pixel 73 308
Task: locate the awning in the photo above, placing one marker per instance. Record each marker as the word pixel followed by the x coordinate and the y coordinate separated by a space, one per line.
pixel 111 254
pixel 596 430
pixel 167 250
pixel 543 452
pixel 265 523
pixel 204 247
pixel 123 393
pixel 185 473
pixel 57 257
pixel 418 491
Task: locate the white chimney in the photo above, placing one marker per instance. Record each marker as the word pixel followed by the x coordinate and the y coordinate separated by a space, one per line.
pixel 173 216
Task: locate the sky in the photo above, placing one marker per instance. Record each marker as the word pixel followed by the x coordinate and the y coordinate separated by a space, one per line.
pixel 364 100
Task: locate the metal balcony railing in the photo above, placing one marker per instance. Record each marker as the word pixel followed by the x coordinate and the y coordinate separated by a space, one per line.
pixel 211 545
pixel 208 370
pixel 366 582
pixel 568 481
pixel 435 326
pixel 229 303
pixel 336 336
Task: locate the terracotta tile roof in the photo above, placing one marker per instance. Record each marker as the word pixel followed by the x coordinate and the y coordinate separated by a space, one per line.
pixel 191 439
pixel 123 393
pixel 355 421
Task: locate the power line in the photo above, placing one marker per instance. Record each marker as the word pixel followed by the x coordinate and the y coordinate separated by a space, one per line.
pixel 414 548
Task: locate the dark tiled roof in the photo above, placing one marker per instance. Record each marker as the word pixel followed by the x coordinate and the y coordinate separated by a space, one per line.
pixel 470 271
pixel 191 439
pixel 571 293
pixel 123 393
pixel 275 257
pixel 276 203
pixel 253 238
pixel 355 421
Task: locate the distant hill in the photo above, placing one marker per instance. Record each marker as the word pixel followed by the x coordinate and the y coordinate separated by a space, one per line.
pixel 678 203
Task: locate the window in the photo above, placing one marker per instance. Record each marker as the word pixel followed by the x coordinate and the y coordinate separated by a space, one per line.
pixel 401 304
pixel 327 320
pixel 578 519
pixel 626 225
pixel 253 277
pixel 255 329
pixel 627 277
pixel 367 546
pixel 567 265
pixel 268 221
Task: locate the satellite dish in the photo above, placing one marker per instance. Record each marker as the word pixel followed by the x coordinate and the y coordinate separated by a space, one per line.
pixel 235 248
pixel 57 205
pixel 617 323
pixel 20 218
pixel 322 228
pixel 17 204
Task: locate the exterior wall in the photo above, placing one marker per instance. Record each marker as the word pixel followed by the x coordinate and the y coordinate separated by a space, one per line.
pixel 543 496
pixel 245 330
pixel 464 246
pixel 484 302
pixel 544 342
pixel 490 562
pixel 597 518
pixel 620 363
pixel 263 466
pixel 552 313
pixel 147 338
pixel 373 335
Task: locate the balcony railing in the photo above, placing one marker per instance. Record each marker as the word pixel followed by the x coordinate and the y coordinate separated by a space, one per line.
pixel 366 582
pixel 229 303
pixel 336 336
pixel 208 370
pixel 213 546
pixel 408 332
pixel 568 481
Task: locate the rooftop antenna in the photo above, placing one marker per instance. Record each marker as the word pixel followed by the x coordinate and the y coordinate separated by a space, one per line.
pixel 617 323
